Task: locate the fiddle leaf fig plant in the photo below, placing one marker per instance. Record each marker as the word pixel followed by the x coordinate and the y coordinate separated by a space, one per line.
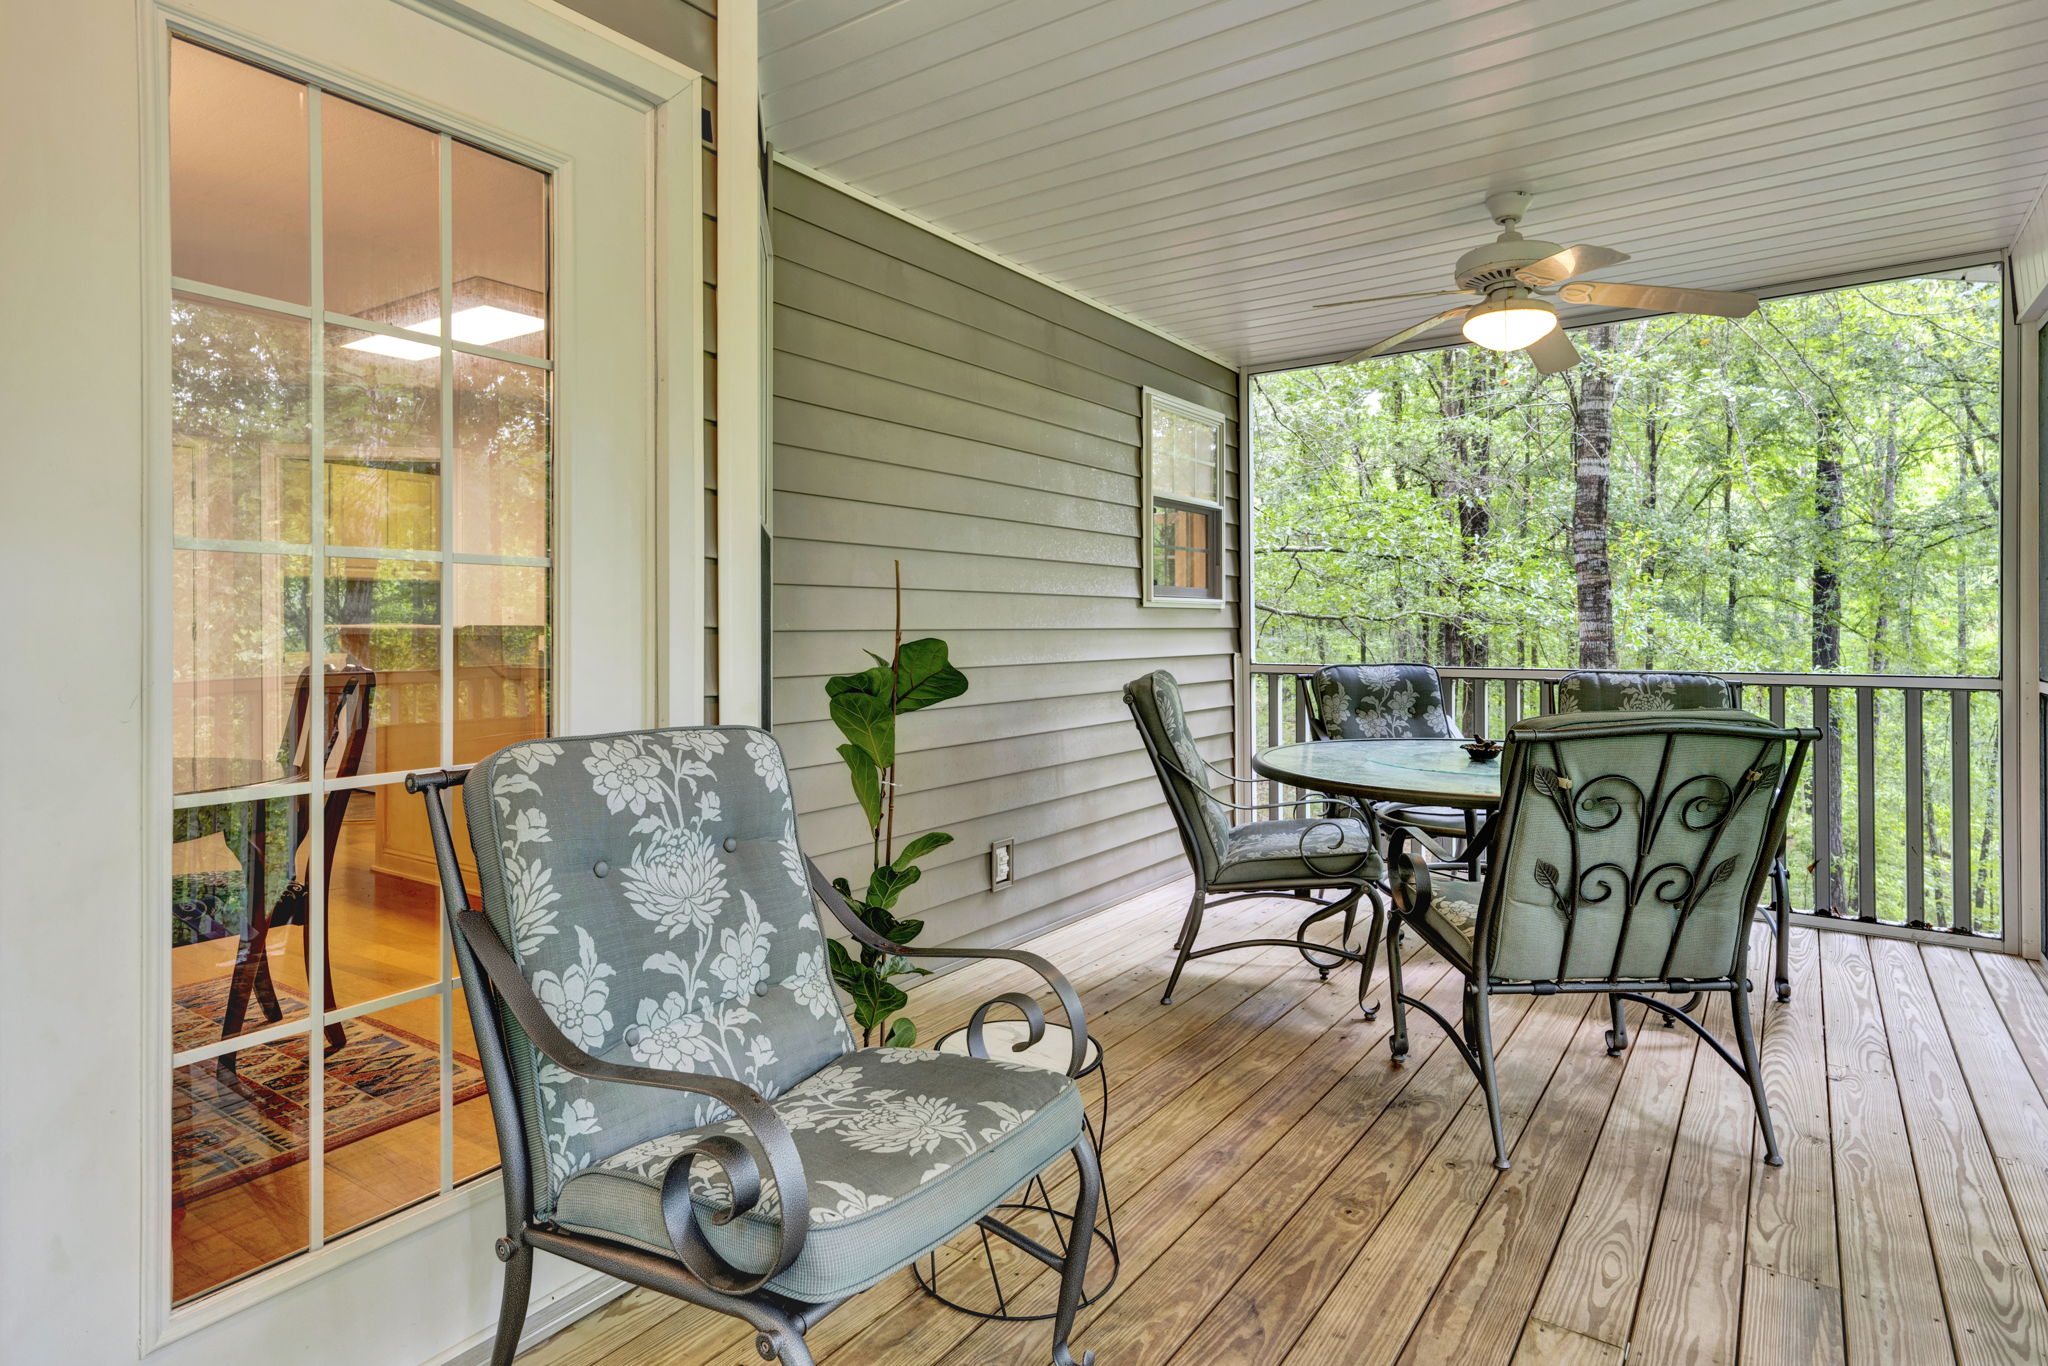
pixel 865 707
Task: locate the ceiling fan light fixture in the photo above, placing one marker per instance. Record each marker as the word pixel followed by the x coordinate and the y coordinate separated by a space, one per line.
pixel 1509 324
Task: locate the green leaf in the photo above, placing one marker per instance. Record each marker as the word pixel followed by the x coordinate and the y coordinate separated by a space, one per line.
pixel 866 720
pixel 867 783
pixel 924 675
pixel 902 1034
pixel 903 931
pixel 919 847
pixel 874 682
pixel 887 883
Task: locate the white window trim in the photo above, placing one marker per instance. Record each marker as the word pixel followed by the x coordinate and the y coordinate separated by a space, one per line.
pixel 565 42
pixel 1153 399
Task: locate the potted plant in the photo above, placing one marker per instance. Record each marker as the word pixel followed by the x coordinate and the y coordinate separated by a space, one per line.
pixel 865 707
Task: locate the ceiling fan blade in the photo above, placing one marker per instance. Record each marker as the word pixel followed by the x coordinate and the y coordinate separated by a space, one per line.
pixel 1390 298
pixel 1553 353
pixel 1405 333
pixel 1562 265
pixel 1715 303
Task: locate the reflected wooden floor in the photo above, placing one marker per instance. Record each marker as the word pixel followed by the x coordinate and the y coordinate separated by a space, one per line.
pixel 1284 1194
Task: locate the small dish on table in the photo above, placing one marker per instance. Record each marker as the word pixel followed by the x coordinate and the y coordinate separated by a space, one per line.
pixel 1481 749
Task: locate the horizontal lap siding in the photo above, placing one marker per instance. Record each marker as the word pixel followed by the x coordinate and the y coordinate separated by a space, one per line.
pixel 935 408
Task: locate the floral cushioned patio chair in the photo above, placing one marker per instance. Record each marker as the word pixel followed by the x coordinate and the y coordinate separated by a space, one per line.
pixel 1255 859
pixel 678 1099
pixel 1584 690
pixel 1627 855
pixel 1387 702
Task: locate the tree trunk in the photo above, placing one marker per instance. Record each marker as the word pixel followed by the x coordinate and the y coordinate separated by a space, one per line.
pixel 1592 466
pixel 1827 628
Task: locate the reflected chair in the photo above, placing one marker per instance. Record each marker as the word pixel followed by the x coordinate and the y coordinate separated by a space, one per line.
pixel 1387 702
pixel 1584 690
pixel 679 1101
pixel 1629 852
pixel 1293 856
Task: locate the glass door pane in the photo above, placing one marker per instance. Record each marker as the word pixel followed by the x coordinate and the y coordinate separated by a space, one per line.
pixel 330 635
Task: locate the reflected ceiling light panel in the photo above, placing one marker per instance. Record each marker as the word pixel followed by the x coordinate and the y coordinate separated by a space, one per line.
pixel 1509 324
pixel 479 325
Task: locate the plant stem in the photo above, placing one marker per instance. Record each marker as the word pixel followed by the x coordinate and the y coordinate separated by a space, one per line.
pixel 889 778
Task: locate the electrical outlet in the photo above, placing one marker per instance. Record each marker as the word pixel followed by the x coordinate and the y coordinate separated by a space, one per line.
pixel 1001 869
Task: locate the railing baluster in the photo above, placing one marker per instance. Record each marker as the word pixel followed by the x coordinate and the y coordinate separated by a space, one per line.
pixel 1916 819
pixel 1866 804
pixel 1823 779
pixel 1962 913
pixel 1511 705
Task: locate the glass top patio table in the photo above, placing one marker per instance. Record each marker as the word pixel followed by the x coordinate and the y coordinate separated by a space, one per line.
pixel 1415 772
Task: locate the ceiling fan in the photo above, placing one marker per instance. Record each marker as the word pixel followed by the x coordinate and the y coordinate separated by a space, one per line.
pixel 1516 276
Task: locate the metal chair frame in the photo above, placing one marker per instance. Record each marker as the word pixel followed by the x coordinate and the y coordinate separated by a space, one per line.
pixel 698 1274
pixel 1359 888
pixel 1473 1039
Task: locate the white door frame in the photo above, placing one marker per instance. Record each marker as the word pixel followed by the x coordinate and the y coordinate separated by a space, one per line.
pixel 670 94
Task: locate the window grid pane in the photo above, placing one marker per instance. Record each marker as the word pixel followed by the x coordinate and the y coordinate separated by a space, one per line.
pixel 305 513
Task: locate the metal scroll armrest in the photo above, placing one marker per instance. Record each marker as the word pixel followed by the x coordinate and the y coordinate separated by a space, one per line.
pixel 1034 1018
pixel 741 1170
pixel 1410 880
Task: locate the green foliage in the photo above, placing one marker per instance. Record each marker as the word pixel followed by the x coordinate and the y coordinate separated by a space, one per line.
pixel 1815 488
pixel 865 707
pixel 1420 506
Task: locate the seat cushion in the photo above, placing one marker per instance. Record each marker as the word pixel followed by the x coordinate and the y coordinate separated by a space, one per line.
pixel 1272 851
pixel 902 1148
pixel 1452 914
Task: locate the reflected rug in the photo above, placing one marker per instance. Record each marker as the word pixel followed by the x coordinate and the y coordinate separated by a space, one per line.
pixel 227 1128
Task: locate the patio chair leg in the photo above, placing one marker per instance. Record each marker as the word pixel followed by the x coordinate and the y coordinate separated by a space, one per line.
pixel 518 1259
pixel 1781 902
pixel 1479 1035
pixel 1074 1276
pixel 1397 1045
pixel 1745 1037
pixel 1617 1037
pixel 1184 945
pixel 1372 948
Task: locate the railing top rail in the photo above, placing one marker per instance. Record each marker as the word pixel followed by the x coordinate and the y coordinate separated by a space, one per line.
pixel 1940 682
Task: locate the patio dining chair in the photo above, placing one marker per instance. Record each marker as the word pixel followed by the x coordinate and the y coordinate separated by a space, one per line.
pixel 1387 702
pixel 1584 690
pixel 678 1098
pixel 1628 853
pixel 1296 856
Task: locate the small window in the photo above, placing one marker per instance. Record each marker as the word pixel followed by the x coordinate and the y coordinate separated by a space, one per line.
pixel 1183 493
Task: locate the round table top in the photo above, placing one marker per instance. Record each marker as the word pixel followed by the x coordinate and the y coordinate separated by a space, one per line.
pixel 1418 772
pixel 1054 1052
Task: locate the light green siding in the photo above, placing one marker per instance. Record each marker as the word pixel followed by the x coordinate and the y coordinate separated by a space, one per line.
pixel 935 408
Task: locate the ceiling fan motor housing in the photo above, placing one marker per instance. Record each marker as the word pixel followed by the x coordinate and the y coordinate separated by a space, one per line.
pixel 1494 265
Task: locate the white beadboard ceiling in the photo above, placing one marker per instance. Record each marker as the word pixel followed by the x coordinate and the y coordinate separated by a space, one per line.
pixel 1214 169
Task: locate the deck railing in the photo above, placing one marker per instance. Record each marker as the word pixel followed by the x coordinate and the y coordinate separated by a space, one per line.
pixel 1902 794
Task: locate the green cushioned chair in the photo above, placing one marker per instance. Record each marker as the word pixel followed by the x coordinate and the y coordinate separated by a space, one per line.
pixel 679 1101
pixel 1584 690
pixel 1627 857
pixel 1335 852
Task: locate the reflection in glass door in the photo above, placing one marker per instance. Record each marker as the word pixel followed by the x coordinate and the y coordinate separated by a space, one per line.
pixel 361 586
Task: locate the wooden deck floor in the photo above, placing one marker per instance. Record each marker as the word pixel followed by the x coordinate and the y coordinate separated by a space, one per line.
pixel 1284 1194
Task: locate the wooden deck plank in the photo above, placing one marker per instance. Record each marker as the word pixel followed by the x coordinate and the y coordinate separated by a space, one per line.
pixel 1792 1208
pixel 1690 1308
pixel 2022 1000
pixel 1546 1344
pixel 1891 1297
pixel 1369 1313
pixel 1995 1309
pixel 1157 1304
pixel 1790 1322
pixel 2014 1117
pixel 1596 1273
pixel 1482 1304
